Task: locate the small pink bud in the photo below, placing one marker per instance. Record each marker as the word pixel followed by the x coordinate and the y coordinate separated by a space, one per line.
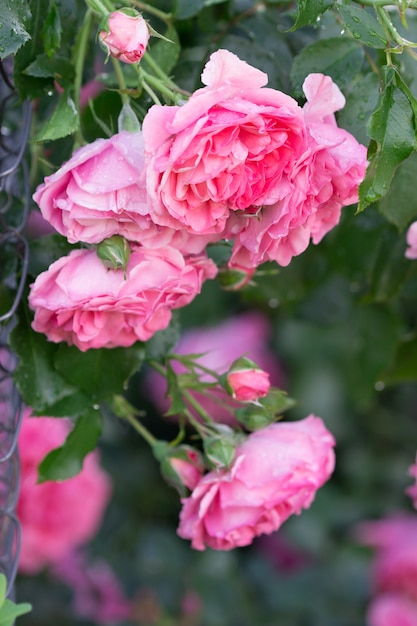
pixel 182 466
pixel 246 381
pixel 125 35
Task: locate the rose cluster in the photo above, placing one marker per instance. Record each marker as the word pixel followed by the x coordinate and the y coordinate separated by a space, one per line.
pixel 238 161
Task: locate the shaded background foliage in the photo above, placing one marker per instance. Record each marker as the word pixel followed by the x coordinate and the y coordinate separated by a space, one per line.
pixel 343 316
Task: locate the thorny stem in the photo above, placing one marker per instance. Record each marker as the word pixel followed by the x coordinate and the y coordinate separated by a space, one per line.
pixel 153 81
pixel 143 6
pixel 153 65
pixel 80 50
pixel 121 80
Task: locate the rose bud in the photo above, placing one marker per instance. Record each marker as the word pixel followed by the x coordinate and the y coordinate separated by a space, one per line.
pixel 182 467
pixel 125 35
pixel 234 278
pixel 247 382
pixel 114 252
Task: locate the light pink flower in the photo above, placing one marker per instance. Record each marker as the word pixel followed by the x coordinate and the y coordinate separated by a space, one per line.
pixel 229 148
pixel 220 346
pixel 411 251
pixel 275 473
pixel 79 301
pixel 101 191
pixel 323 180
pixel 248 385
pixel 126 36
pixel 98 595
pixel 56 517
pixel 392 610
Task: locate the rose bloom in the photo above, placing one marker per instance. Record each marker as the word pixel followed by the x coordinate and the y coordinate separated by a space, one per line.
pixel 392 610
pixel 323 180
pixel 248 385
pixel 395 565
pixel 275 473
pixel 219 346
pixel 126 36
pixel 230 148
pixel 411 252
pixel 55 516
pixel 79 301
pixel 101 191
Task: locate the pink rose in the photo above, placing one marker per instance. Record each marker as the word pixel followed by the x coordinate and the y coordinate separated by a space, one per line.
pixel 411 252
pixel 392 610
pixel 79 301
pixel 98 595
pixel 248 385
pixel 126 36
pixel 101 191
pixel 230 148
pixel 323 180
pixel 275 473
pixel 55 516
pixel 219 346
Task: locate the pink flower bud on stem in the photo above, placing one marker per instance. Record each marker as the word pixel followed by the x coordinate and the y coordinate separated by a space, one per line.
pixel 125 35
pixel 246 382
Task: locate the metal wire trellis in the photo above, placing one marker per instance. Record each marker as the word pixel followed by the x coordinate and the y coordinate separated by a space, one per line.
pixel 15 119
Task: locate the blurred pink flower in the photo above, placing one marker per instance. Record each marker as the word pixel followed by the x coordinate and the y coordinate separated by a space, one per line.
pixel 55 516
pixel 97 592
pixel 275 473
pixel 411 251
pixel 392 610
pixel 79 301
pixel 412 491
pixel 126 36
pixel 220 346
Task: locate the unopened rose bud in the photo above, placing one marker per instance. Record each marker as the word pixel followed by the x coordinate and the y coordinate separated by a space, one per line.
pixel 220 451
pixel 233 279
pixel 246 382
pixel 125 35
pixel 114 252
pixel 182 467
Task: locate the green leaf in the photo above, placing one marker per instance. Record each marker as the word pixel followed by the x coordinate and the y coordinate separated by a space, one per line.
pixel 3 589
pixel 361 101
pixel 309 11
pixel 390 268
pixel 363 26
pixel 392 129
pixel 163 341
pixel 338 57
pixel 14 26
pixel 404 366
pixel 402 186
pixel 63 121
pixel 10 611
pixel 99 373
pixel 40 385
pixel 67 461
pixel 58 68
pixel 188 8
pixel 52 29
pixel 165 53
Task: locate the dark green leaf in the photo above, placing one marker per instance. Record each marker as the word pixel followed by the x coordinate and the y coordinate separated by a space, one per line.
pixel 30 86
pixel 392 129
pixel 163 341
pixel 45 250
pixel 67 461
pixel 99 373
pixel 338 57
pixel 51 31
pixel 390 269
pixel 63 121
pixel 58 68
pixel 401 213
pixel 187 8
pixel 404 366
pixel 363 26
pixel 165 53
pixel 14 26
pixel 360 103
pixel 309 11
pixel 38 382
